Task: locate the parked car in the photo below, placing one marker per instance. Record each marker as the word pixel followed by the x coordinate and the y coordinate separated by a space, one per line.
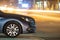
pixel 13 24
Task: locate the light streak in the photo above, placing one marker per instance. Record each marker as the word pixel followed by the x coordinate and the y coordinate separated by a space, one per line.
pixel 28 10
pixel 45 18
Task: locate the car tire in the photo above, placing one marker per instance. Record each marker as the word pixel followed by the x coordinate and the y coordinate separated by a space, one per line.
pixel 12 29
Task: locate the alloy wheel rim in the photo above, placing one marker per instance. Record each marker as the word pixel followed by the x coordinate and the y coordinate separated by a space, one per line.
pixel 12 29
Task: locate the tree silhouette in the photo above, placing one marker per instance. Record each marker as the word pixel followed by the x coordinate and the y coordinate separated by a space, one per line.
pixel 51 3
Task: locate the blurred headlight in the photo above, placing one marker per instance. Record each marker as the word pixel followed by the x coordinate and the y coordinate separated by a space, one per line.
pixel 31 21
pixel 27 19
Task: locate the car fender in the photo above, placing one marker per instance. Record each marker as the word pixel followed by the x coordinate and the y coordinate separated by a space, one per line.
pixel 5 20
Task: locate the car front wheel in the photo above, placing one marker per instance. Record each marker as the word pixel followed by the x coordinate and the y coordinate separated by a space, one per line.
pixel 12 29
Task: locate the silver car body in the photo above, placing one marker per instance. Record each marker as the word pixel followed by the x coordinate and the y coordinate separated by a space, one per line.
pixel 3 21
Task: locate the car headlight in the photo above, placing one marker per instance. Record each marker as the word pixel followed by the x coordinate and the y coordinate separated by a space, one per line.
pixel 27 19
pixel 31 21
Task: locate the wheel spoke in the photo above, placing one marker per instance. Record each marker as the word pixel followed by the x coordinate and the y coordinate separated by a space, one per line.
pixel 12 25
pixel 9 33
pixel 16 29
pixel 8 27
pixel 15 33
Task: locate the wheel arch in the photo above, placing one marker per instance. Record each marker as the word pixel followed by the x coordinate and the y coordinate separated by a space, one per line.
pixel 14 20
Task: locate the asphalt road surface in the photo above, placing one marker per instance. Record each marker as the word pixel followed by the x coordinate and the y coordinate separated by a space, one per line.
pixel 20 37
pixel 32 36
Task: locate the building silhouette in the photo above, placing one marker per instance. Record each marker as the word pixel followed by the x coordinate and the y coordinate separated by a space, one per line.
pixel 35 4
